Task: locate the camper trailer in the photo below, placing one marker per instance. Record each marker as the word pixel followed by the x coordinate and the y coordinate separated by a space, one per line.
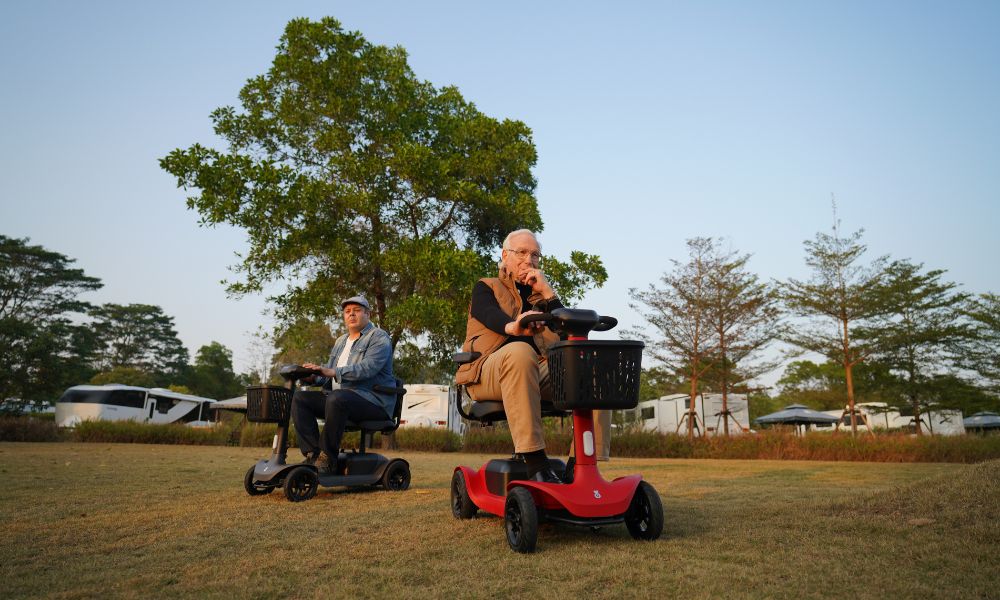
pixel 669 414
pixel 879 415
pixel 429 405
pixel 883 417
pixel 116 402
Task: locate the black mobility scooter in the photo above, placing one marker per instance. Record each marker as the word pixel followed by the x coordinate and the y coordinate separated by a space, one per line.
pixel 585 375
pixel 272 404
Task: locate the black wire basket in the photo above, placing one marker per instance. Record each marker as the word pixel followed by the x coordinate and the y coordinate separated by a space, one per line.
pixel 589 374
pixel 268 404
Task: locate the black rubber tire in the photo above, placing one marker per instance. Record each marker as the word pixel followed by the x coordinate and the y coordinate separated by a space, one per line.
pixel 462 506
pixel 396 477
pixel 521 520
pixel 301 484
pixel 255 489
pixel 644 518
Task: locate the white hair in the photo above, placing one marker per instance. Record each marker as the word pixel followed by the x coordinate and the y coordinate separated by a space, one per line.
pixel 506 240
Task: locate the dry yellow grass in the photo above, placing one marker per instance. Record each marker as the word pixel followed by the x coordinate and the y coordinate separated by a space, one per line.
pixel 129 521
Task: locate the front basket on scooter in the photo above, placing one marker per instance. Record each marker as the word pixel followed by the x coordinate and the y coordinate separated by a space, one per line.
pixel 595 374
pixel 268 404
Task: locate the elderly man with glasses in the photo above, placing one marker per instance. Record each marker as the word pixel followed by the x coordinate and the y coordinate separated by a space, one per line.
pixel 512 365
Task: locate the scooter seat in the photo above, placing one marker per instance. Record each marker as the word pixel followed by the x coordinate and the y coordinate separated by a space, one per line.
pixel 490 411
pixel 371 426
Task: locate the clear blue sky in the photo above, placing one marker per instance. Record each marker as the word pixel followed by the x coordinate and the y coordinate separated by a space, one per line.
pixel 654 122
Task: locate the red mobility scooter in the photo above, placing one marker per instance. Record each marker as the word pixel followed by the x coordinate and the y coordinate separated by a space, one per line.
pixel 585 375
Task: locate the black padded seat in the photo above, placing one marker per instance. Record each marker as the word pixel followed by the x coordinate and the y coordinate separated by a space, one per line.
pixel 385 426
pixel 490 411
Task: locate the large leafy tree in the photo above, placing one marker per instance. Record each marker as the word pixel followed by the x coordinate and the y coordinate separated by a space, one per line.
pixel 350 175
pixel 919 332
pixel 841 295
pixel 744 316
pixel 823 385
pixel 713 318
pixel 305 340
pixel 212 374
pixel 982 352
pixel 680 311
pixel 140 336
pixel 42 349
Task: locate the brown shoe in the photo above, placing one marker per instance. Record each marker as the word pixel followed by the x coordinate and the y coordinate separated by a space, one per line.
pixel 326 465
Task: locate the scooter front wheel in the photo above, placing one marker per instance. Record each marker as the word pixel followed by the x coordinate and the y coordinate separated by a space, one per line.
pixel 521 520
pixel 644 518
pixel 255 489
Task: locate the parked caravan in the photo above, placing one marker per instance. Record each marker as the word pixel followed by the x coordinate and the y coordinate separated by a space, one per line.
pixel 429 405
pixel 883 417
pixel 668 414
pixel 115 402
pixel 879 415
pixel 940 422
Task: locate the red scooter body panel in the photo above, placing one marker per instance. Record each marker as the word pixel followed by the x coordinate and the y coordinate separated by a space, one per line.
pixel 590 495
pixel 475 484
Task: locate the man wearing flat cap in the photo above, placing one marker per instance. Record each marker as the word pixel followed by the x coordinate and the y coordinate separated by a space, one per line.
pixel 359 360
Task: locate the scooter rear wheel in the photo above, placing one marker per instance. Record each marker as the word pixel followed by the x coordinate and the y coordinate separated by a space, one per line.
pixel 521 520
pixel 644 518
pixel 462 506
pixel 396 477
pixel 301 484
pixel 252 488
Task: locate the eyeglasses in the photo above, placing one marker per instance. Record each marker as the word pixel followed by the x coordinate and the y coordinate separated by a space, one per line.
pixel 534 255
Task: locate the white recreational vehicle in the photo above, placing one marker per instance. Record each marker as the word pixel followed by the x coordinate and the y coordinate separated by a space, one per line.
pixel 882 416
pixel 668 414
pixel 115 402
pixel 429 405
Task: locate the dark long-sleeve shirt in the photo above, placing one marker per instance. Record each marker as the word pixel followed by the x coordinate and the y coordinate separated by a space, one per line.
pixel 487 311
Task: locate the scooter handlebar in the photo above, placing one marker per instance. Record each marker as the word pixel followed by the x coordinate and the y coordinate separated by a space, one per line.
pixel 605 323
pixel 529 319
pixel 570 321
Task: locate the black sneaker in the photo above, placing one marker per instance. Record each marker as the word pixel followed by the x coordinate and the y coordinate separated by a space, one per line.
pixel 311 458
pixel 546 475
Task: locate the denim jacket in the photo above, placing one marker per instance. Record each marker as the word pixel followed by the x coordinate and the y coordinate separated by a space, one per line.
pixel 369 364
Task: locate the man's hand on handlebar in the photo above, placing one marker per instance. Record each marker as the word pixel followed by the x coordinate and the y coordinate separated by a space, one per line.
pixel 323 370
pixel 515 328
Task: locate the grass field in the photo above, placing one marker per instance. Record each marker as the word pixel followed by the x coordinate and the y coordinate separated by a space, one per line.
pixel 120 520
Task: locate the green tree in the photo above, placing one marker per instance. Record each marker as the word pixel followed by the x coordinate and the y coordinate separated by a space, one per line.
pixel 840 296
pixel 42 350
pixel 212 374
pixel 919 331
pixel 416 364
pixel 680 312
pixel 982 352
pixel 744 315
pixel 823 385
pixel 125 376
pixel 350 175
pixel 656 382
pixel 140 336
pixel 304 340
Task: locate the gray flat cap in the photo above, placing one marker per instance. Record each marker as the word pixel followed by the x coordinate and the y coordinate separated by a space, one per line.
pixel 356 300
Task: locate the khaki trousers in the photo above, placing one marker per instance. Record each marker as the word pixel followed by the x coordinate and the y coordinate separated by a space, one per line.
pixel 518 377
